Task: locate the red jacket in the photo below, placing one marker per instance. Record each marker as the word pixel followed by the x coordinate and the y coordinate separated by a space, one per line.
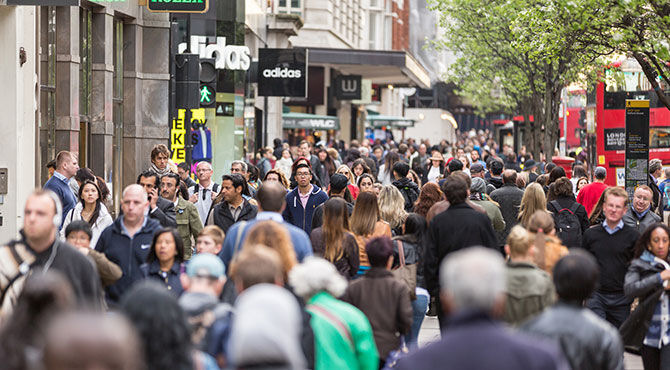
pixel 589 195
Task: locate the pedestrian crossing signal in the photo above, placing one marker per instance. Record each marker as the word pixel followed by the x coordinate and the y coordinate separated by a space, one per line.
pixel 207 96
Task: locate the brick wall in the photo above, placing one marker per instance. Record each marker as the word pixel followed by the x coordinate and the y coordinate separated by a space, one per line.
pixel 400 26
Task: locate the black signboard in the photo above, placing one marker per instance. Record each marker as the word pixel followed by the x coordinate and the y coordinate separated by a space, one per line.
pixel 348 87
pixel 42 2
pixel 637 144
pixel 178 6
pixel 615 139
pixel 282 72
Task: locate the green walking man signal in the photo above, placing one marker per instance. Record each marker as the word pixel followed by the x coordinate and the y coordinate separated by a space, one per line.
pixel 207 95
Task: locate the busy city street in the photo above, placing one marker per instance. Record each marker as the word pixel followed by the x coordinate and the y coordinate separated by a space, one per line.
pixel 334 184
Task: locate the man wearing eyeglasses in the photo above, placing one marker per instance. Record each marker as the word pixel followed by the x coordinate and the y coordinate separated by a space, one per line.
pixel 202 193
pixel 301 201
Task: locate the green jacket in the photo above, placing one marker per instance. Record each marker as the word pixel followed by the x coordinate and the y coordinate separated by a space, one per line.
pixel 529 291
pixel 188 224
pixel 493 212
pixel 333 350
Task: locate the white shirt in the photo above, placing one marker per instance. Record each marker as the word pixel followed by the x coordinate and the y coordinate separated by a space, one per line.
pixel 433 174
pixel 203 205
pixel 104 219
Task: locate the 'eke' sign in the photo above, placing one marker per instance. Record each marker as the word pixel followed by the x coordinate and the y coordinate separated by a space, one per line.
pixel 178 6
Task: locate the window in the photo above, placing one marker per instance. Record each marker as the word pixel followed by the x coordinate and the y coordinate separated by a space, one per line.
pixel 290 7
pixel 380 20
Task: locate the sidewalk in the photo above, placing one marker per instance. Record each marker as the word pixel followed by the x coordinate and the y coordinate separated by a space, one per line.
pixel 430 332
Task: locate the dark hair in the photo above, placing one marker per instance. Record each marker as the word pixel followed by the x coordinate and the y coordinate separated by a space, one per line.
pixel 415 224
pixel 644 240
pixel 184 166
pixel 148 174
pixel 576 276
pixel 562 187
pixel 578 171
pixel 455 165
pixel 379 250
pixel 361 162
pixel 401 168
pixel 509 177
pixel 335 228
pixel 429 195
pixel 555 174
pixel 178 242
pixel 51 164
pixel 365 175
pixel 389 161
pixel 302 165
pixel 496 166
pixel 549 166
pixel 161 325
pixel 271 197
pixel 84 174
pixel 78 225
pixel 172 175
pixel 96 211
pixel 253 172
pixel 104 190
pixel 456 190
pixel 237 180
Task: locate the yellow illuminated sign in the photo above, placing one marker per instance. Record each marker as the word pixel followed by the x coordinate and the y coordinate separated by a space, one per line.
pixel 178 133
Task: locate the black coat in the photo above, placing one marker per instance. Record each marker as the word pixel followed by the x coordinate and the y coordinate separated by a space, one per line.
pixel 164 213
pixel 508 197
pixel 409 191
pixel 567 202
pixel 657 200
pixel 224 219
pixel 456 228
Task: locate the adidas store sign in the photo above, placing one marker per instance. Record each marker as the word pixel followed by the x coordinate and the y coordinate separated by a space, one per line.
pixel 282 73
pixel 234 57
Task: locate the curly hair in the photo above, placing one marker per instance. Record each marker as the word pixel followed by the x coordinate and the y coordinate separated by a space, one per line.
pixel 429 195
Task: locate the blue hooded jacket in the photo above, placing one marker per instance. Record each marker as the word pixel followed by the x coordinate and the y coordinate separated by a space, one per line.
pixel 301 217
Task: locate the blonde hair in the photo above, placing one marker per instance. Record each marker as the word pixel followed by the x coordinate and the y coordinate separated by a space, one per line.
pixel 350 175
pixel 271 234
pixel 533 200
pixel 519 241
pixel 213 232
pixel 392 206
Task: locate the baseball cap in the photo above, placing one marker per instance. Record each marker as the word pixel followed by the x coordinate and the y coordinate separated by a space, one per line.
pixel 205 265
pixel 476 168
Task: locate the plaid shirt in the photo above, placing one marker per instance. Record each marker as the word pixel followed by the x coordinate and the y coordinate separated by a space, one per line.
pixel 658 334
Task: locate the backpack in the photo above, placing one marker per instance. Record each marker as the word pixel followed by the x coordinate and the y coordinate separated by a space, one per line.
pixel 568 227
pixel 196 188
pixel 666 194
pixel 410 196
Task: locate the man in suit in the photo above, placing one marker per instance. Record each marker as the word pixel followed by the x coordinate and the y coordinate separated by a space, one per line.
pixel 458 227
pixel 473 296
pixel 160 209
pixel 655 172
pixel 188 219
pixel 59 183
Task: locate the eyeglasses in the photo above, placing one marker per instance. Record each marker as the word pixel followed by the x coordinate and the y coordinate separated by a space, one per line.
pixel 302 174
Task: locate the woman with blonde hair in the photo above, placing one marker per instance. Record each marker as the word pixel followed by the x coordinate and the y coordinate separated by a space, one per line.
pixel 549 247
pixel 533 200
pixel 366 223
pixel 346 171
pixel 392 208
pixel 274 236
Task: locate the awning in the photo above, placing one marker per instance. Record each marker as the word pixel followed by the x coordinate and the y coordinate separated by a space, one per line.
pixel 379 66
pixel 381 121
pixel 310 121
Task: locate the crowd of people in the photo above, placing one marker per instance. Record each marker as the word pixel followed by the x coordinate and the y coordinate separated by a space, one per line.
pixel 330 256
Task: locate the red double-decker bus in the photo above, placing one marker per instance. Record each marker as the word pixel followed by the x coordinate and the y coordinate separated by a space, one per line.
pixel 625 80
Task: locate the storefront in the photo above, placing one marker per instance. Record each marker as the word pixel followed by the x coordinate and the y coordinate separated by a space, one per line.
pixel 302 126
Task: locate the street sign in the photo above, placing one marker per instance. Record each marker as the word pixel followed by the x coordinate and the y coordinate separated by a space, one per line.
pixel 178 6
pixel 637 144
pixel 207 95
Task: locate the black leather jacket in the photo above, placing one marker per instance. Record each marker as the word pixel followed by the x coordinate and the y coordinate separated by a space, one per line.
pixel 587 341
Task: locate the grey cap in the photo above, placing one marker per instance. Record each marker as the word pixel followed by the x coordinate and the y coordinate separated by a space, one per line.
pixel 600 172
pixel 478 185
pixel 205 265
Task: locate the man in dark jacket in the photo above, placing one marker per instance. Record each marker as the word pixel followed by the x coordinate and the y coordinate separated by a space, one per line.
pixel 612 244
pixel 495 179
pixel 587 341
pixel 127 241
pixel 639 214
pixel 473 294
pixel 508 197
pixel 655 172
pixel 408 189
pixel 234 208
pixel 338 189
pixel 456 228
pixel 59 183
pixel 160 209
pixel 301 201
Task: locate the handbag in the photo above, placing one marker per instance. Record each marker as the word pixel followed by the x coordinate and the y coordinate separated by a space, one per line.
pixel 406 273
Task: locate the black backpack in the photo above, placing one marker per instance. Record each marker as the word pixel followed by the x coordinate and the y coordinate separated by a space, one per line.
pixel 568 227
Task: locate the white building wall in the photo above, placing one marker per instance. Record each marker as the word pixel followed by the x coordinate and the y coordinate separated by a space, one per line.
pixel 431 127
pixel 18 106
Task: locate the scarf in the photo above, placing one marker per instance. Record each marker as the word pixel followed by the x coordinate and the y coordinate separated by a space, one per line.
pixel 477 196
pixel 163 172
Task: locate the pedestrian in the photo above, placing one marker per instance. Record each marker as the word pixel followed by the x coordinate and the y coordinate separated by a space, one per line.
pixel 210 240
pixel 90 209
pixel 581 182
pixel 365 183
pixel 655 172
pixel 392 208
pixel 383 299
pixel 258 339
pixel 639 214
pixel 343 335
pixel 285 163
pixel 326 167
pixel 270 234
pixel 338 189
pixel 271 202
pixel 358 168
pixel 589 195
pixel 186 214
pixel 458 227
pixel 204 191
pixel 160 209
pixel 230 207
pixel 612 244
pixel 508 196
pixel 264 164
pixel 411 242
pixel 578 172
pixel 78 233
pixel 44 296
pixel 301 201
pixel 127 241
pixel 160 160
pixel 305 150
pixel 351 180
pixel 495 180
pixel 434 168
pixel 479 197
pixel 529 167
pixel 333 241
pixel 529 289
pixel 385 176
pixel 40 249
pixel 587 341
pixel 164 262
pixel 278 176
pixel 184 173
pixel 473 288
pixel 408 189
pixel 59 183
pixel 429 195
pixel 366 223
pixel 549 247
pixel 646 330
pixel 570 218
pixel 163 329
